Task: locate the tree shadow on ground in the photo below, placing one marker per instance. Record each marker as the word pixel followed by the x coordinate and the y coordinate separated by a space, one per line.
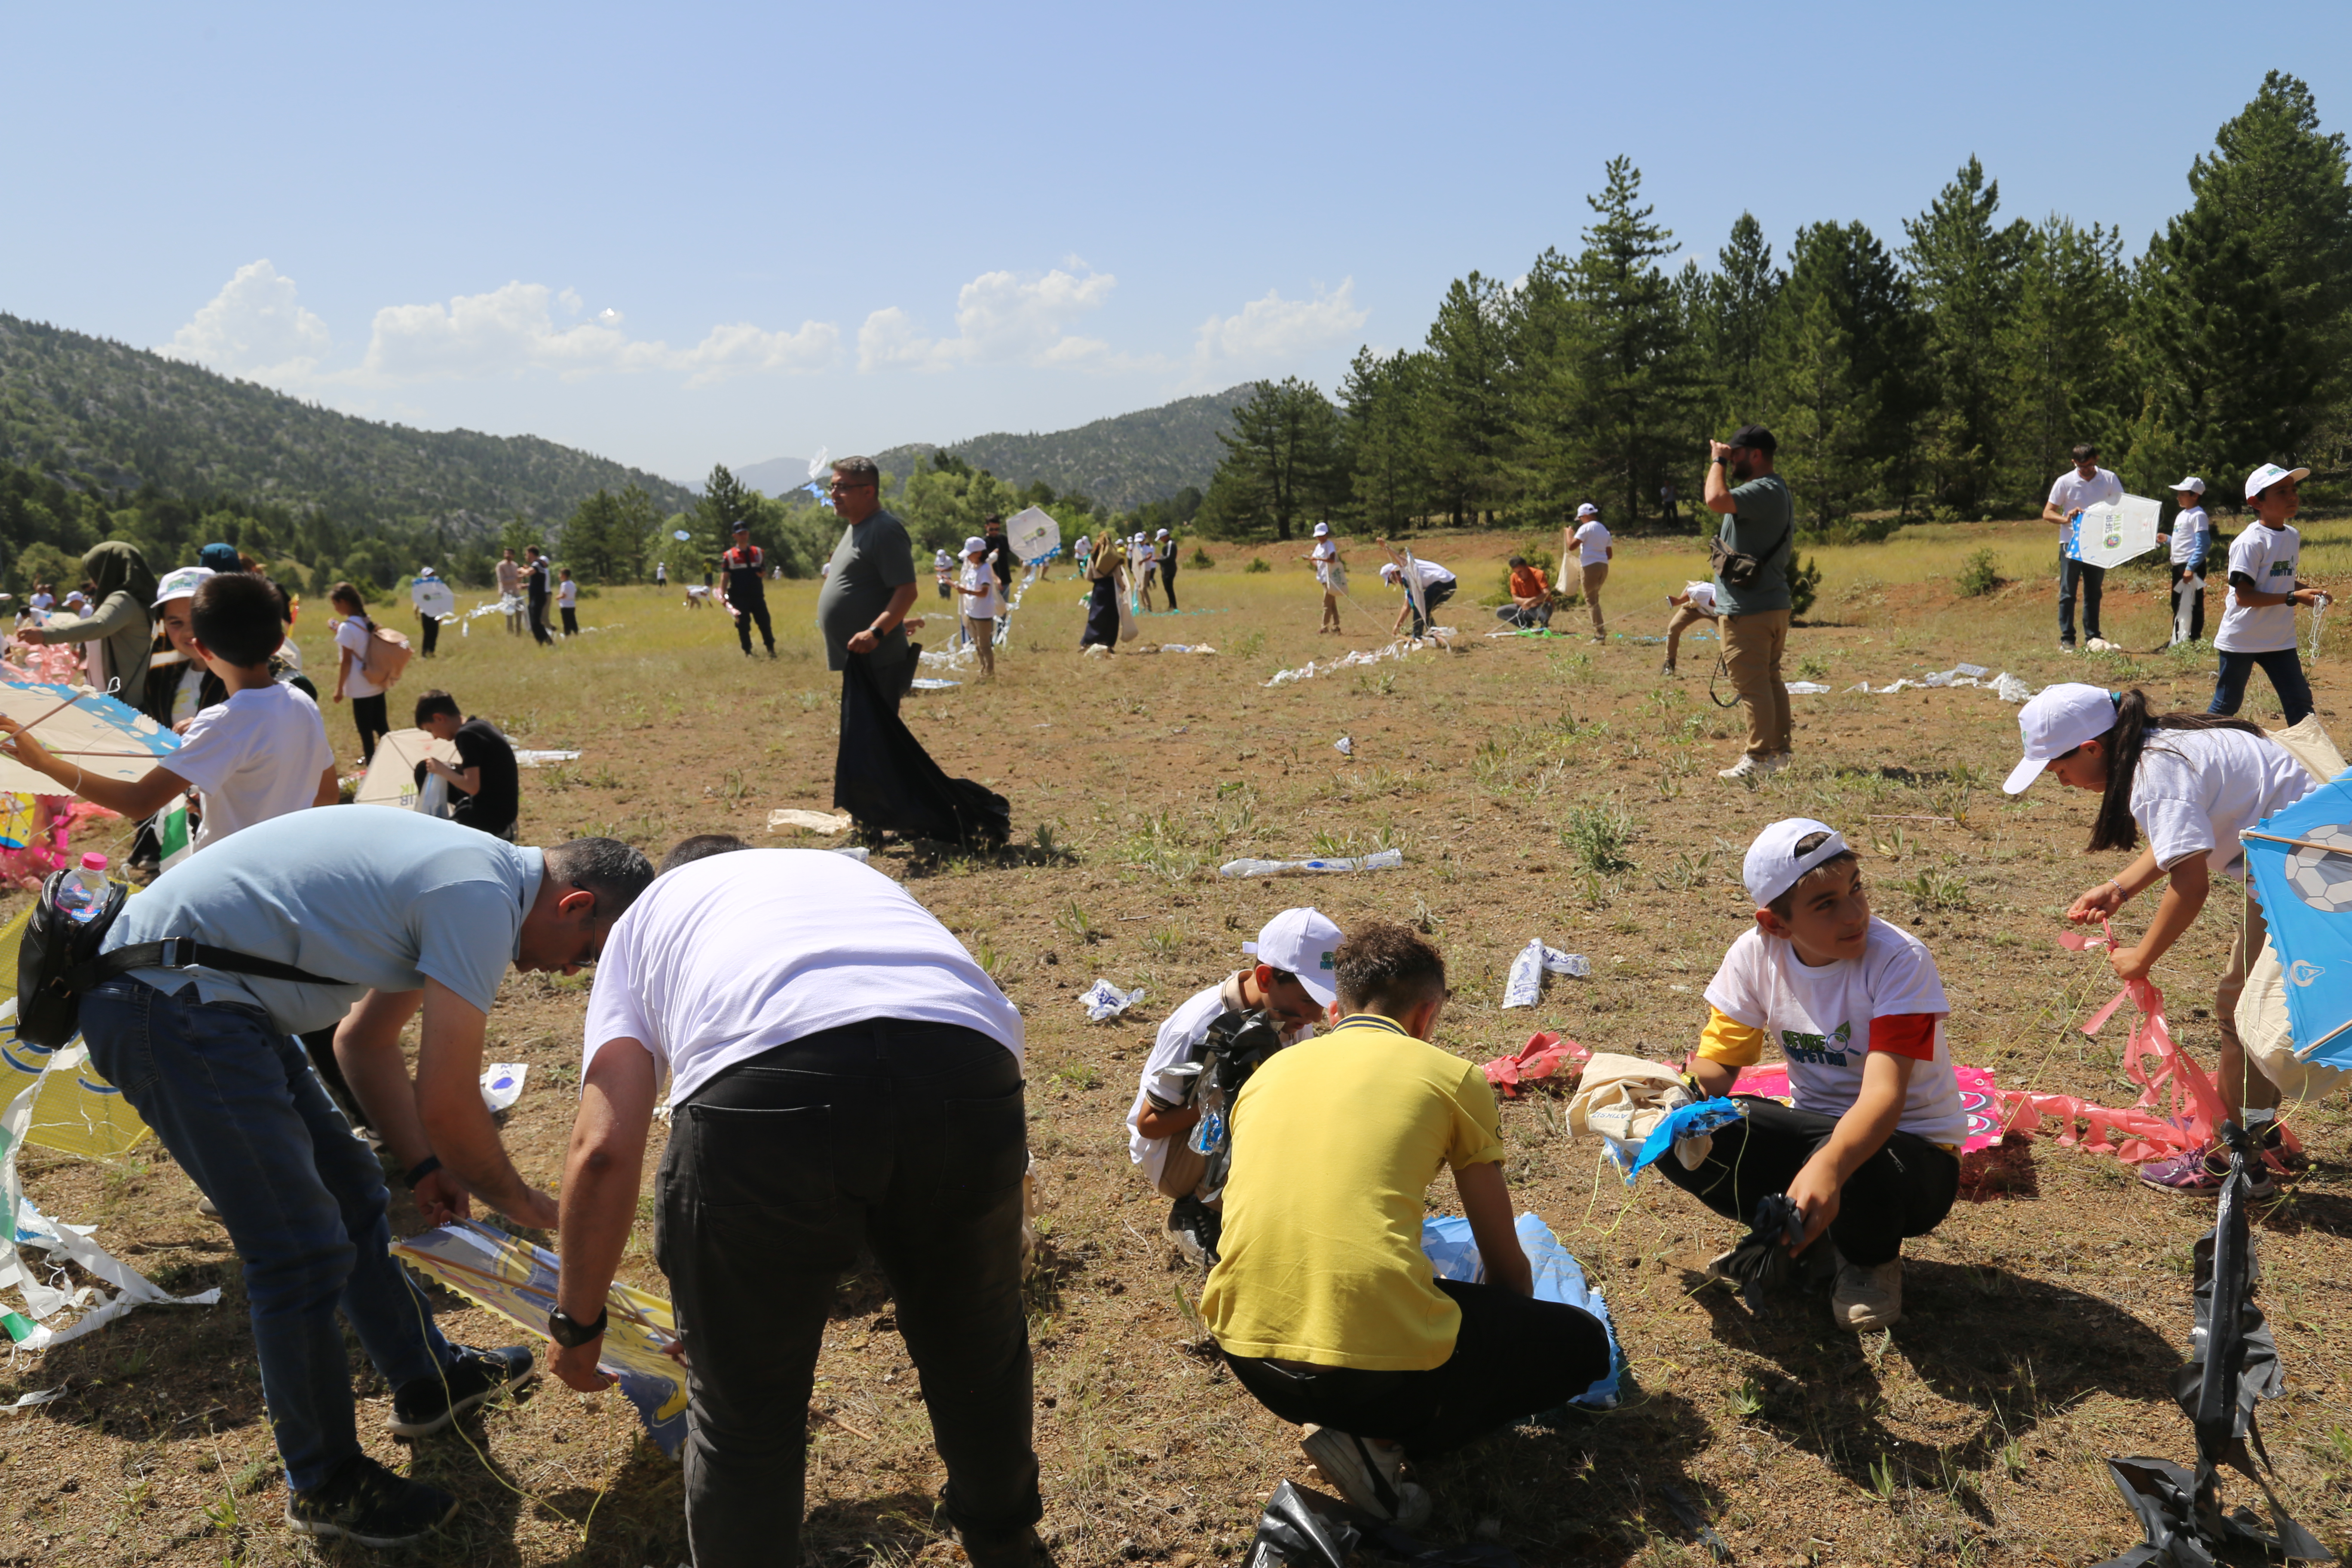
pixel 890 1528
pixel 638 1516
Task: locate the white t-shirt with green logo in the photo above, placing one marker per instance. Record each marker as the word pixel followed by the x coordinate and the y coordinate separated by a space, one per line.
pixel 2267 557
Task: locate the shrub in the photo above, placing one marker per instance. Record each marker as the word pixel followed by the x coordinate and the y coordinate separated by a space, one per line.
pixel 1258 563
pixel 1804 586
pixel 1980 574
pixel 1201 559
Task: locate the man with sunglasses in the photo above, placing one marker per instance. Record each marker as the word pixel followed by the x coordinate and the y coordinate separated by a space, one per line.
pixel 374 913
pixel 869 584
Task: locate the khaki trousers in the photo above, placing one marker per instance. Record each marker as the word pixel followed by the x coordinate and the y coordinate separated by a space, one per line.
pixel 1686 618
pixel 1593 577
pixel 2239 1078
pixel 1752 646
pixel 983 634
pixel 1180 1176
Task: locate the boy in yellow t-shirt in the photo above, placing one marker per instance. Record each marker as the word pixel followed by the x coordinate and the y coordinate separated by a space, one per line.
pixel 1322 1301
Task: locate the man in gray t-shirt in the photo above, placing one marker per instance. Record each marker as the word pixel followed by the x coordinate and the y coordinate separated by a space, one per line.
pixel 1760 521
pixel 869 584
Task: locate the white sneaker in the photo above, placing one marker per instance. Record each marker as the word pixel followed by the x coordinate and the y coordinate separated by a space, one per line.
pixel 1773 761
pixel 1868 1298
pixel 1368 1472
pixel 1747 767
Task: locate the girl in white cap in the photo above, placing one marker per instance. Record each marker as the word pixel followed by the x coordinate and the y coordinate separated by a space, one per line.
pixel 2258 623
pixel 2192 537
pixel 982 603
pixel 1595 549
pixel 1869 1153
pixel 2192 782
pixel 1330 571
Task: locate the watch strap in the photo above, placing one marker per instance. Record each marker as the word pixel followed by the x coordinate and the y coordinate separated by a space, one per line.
pixel 570 1333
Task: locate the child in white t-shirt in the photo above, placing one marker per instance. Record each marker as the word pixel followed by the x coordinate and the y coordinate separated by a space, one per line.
pixel 567 600
pixel 1871 1152
pixel 1331 572
pixel 1695 604
pixel 2258 625
pixel 982 602
pixel 1595 549
pixel 2191 538
pixel 260 754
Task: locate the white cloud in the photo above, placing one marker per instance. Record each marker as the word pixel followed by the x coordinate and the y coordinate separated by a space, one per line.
pixel 1273 331
pixel 743 349
pixel 255 327
pixel 502 332
pixel 1001 318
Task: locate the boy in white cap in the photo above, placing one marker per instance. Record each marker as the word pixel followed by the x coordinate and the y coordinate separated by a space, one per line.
pixel 1330 571
pixel 982 602
pixel 2193 782
pixel 2191 538
pixel 1871 1152
pixel 1292 982
pixel 1164 548
pixel 2258 619
pixel 1595 549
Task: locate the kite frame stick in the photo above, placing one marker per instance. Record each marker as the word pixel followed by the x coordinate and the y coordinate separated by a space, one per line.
pixel 2343 849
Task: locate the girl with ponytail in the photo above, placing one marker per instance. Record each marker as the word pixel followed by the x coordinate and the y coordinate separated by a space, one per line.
pixel 2192 782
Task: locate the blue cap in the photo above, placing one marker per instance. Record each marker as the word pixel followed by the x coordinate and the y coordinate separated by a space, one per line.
pixel 220 558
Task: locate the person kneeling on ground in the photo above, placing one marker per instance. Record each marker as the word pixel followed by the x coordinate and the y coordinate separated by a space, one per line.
pixel 1695 604
pixel 1530 603
pixel 1871 1152
pixel 1324 1304
pixel 842 1075
pixel 1291 981
pixel 485 787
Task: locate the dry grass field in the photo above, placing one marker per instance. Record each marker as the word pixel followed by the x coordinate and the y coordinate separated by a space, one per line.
pixel 1537 787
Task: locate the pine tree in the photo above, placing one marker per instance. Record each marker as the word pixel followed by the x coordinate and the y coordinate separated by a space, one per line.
pixel 2061 353
pixel 1282 463
pixel 1964 275
pixel 1379 400
pixel 1836 359
pixel 1734 315
pixel 1464 415
pixel 725 501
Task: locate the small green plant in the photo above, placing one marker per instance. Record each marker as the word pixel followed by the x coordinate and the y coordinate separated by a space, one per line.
pixel 1935 892
pixel 1072 921
pixel 2013 1460
pixel 1980 574
pixel 1596 836
pixel 1748 1399
pixel 1200 560
pixel 1804 586
pixel 1882 1478
pixel 1258 563
pixel 1079 1075
pixel 1250 645
pixel 1688 871
pixel 1167 942
pixel 1813 667
pixel 1049 845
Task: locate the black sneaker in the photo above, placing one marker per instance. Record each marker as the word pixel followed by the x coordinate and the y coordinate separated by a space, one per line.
pixel 1197 1228
pixel 423 1406
pixel 2292 1162
pixel 364 1501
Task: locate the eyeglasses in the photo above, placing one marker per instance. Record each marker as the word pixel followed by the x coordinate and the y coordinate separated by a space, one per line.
pixel 837 487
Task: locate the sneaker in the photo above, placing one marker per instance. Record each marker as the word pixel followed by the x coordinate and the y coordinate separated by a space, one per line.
pixel 2065 647
pixel 1196 1228
pixel 1368 1472
pixel 206 1208
pixel 2200 1172
pixel 1668 667
pixel 1747 767
pixel 1774 762
pixel 423 1406
pixel 364 1501
pixel 1867 1297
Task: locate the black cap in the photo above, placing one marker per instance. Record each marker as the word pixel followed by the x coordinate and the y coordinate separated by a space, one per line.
pixel 1754 436
pixel 1518 560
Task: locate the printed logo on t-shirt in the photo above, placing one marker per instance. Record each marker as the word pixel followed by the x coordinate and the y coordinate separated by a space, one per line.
pixel 1815 1049
pixel 2282 568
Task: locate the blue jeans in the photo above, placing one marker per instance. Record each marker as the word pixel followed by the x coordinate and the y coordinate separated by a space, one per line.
pixel 2283 666
pixel 2092 581
pixel 235 1100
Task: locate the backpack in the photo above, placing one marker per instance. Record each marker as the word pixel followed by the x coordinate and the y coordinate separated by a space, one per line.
pixel 388 653
pixel 58 963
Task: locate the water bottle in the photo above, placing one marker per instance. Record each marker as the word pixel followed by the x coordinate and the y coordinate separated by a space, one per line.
pixel 83 894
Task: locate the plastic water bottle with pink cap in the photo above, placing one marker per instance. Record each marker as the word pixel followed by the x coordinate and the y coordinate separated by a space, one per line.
pixel 84 892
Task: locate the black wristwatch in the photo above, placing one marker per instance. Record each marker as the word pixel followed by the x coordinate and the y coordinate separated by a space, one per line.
pixel 571 1333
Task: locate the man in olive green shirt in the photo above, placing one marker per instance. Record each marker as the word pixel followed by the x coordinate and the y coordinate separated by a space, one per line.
pixel 1760 521
pixel 869 584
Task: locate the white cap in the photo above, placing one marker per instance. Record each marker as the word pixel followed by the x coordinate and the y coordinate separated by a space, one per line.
pixel 1588 510
pixel 2054 723
pixel 1162 534
pixel 1392 571
pixel 1322 529
pixel 2269 474
pixel 1305 943
pixel 2192 484
pixel 975 543
pixel 179 584
pixel 1774 864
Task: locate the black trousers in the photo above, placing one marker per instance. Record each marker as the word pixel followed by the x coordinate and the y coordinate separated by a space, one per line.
pixel 1489 1381
pixel 745 614
pixel 368 714
pixel 539 632
pixel 432 633
pixel 911 1139
pixel 1905 1189
pixel 1431 598
pixel 2092 581
pixel 2197 608
pixel 1167 580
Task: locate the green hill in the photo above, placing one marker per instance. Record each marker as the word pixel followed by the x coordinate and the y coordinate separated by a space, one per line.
pixel 100 415
pixel 1123 461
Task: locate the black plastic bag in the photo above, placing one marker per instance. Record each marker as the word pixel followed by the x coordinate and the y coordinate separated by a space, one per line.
pixel 884 778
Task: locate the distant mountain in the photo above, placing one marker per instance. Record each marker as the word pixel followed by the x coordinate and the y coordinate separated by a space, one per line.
pixel 1124 461
pixel 92 413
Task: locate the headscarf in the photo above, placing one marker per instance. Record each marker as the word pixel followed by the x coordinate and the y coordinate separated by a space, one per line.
pixel 116 567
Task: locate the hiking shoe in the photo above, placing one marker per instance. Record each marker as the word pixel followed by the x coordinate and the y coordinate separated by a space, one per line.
pixel 2200 1172
pixel 2065 647
pixel 1774 762
pixel 364 1501
pixel 1747 767
pixel 1368 1472
pixel 423 1406
pixel 1196 1229
pixel 1868 1296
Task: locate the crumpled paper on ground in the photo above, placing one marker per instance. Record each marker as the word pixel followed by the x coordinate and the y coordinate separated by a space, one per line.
pixel 1102 1000
pixel 1523 987
pixel 787 817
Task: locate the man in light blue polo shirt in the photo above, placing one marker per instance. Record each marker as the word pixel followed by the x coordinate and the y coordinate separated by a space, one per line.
pixel 391 909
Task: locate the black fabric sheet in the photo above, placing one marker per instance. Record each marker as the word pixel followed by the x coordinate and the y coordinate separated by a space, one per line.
pixel 884 778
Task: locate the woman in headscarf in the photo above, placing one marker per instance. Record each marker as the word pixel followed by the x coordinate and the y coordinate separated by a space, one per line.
pixel 121 629
pixel 1102 602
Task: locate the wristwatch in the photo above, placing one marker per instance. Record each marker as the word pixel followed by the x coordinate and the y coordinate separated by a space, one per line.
pixel 570 1333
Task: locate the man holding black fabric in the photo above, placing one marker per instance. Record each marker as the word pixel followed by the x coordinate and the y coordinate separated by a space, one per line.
pixel 869 584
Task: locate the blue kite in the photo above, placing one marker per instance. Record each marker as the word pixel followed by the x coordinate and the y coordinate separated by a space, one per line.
pixel 2300 863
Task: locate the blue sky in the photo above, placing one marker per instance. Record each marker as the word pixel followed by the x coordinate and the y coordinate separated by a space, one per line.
pixel 685 234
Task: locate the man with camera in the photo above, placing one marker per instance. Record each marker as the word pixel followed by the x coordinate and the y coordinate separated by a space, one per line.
pixel 1213 1037
pixel 1750 556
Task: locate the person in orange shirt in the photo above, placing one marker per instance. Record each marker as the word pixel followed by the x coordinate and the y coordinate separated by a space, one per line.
pixel 1530 603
